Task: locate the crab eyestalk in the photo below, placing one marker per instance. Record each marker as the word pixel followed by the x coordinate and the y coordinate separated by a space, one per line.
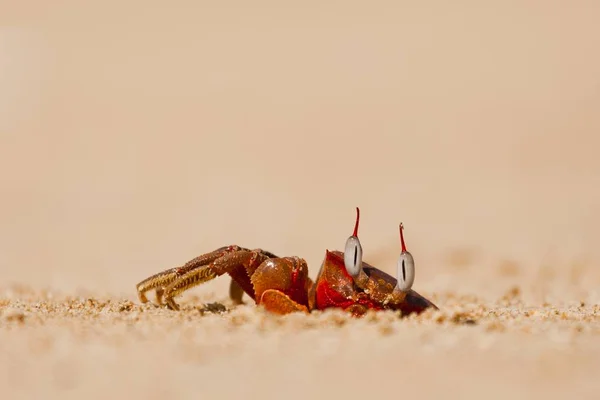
pixel 353 256
pixel 406 272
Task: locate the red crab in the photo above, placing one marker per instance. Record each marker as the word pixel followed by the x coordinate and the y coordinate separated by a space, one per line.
pixel 282 285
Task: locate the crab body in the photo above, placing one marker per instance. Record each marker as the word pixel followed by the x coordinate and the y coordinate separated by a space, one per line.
pixel 335 287
pixel 282 285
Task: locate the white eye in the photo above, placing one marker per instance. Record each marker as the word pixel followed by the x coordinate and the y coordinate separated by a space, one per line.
pixel 406 271
pixel 353 256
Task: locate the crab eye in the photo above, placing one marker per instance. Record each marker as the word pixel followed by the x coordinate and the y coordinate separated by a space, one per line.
pixel 353 256
pixel 406 271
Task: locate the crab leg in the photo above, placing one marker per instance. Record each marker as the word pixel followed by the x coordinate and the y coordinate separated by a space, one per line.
pixel 233 263
pixel 236 292
pixel 163 279
pixel 281 285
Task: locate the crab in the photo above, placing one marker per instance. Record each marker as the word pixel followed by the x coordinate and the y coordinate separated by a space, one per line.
pixel 282 284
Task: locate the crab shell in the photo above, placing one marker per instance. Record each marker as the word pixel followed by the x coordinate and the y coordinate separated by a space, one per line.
pixel 334 287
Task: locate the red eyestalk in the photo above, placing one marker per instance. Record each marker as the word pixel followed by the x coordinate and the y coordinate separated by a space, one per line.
pixel 402 237
pixel 355 234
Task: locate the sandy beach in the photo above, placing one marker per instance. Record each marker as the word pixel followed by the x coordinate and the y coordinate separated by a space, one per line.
pixel 93 347
pixel 135 136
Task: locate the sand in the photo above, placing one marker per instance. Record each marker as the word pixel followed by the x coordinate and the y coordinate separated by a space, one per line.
pixel 94 347
pixel 135 136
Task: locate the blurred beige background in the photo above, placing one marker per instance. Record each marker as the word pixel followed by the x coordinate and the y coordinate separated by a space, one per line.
pixel 136 135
